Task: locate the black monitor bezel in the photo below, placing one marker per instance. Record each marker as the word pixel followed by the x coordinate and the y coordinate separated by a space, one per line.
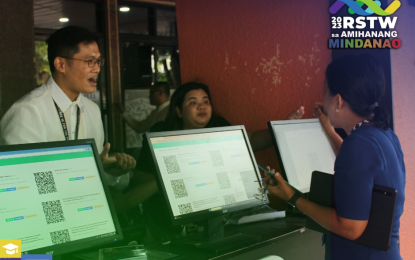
pixel 205 214
pixel 85 243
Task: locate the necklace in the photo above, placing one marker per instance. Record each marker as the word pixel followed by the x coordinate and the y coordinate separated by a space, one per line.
pixel 362 123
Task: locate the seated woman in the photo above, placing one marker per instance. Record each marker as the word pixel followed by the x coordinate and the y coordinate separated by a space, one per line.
pixel 190 108
pixel 370 155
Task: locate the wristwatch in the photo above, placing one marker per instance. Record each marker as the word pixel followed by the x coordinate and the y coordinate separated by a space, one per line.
pixel 294 198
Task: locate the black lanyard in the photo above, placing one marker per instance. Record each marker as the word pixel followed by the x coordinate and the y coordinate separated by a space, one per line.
pixel 63 122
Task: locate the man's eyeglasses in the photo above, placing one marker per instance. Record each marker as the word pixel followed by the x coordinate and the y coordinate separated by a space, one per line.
pixel 91 62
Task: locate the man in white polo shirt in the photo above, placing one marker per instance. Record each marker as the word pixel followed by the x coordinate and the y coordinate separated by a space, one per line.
pixel 57 111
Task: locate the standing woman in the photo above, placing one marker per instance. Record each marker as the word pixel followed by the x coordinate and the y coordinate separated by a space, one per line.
pixel 370 155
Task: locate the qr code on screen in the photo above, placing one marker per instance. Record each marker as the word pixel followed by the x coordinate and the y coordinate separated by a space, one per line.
pixel 171 163
pixel 45 182
pixel 229 199
pixel 53 211
pixel 223 179
pixel 60 236
pixel 185 208
pixel 179 188
pixel 216 157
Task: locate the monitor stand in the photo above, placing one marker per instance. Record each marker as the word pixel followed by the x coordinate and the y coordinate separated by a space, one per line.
pixel 213 238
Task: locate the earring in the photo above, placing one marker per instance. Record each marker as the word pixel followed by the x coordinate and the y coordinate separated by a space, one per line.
pixel 337 109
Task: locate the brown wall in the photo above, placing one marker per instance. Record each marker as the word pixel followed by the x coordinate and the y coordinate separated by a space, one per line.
pixel 403 78
pixel 261 59
pixel 17 51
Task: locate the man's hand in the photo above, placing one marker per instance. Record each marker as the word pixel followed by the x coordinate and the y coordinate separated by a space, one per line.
pixel 297 114
pixel 118 163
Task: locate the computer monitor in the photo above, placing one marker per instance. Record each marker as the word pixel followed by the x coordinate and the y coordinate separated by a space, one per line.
pixel 54 197
pixel 204 173
pixel 302 147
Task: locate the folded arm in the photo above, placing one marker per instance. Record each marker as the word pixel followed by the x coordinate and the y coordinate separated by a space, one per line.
pixel 139 126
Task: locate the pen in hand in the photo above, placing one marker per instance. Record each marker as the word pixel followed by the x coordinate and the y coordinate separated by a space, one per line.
pixel 269 172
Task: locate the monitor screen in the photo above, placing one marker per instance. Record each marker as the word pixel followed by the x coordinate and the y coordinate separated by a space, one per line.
pixel 206 172
pixel 302 148
pixel 53 197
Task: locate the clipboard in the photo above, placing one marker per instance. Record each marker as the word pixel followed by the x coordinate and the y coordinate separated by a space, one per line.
pixel 379 228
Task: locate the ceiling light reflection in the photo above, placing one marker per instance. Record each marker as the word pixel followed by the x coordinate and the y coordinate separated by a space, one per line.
pixel 124 9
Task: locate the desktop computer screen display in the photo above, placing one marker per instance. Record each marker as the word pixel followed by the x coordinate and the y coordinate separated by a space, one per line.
pixel 206 172
pixel 302 147
pixel 53 197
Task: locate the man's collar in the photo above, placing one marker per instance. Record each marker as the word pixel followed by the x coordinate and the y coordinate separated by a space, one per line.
pixel 61 99
pixel 162 106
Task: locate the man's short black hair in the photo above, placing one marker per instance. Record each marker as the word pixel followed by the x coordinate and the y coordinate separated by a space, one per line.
pixel 65 42
pixel 163 86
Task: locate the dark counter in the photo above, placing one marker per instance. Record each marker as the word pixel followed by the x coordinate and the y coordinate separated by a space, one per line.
pixel 284 237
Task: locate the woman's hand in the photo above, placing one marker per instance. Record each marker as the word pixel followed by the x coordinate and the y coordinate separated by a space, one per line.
pixel 334 139
pixel 277 186
pixel 297 114
pixel 322 116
